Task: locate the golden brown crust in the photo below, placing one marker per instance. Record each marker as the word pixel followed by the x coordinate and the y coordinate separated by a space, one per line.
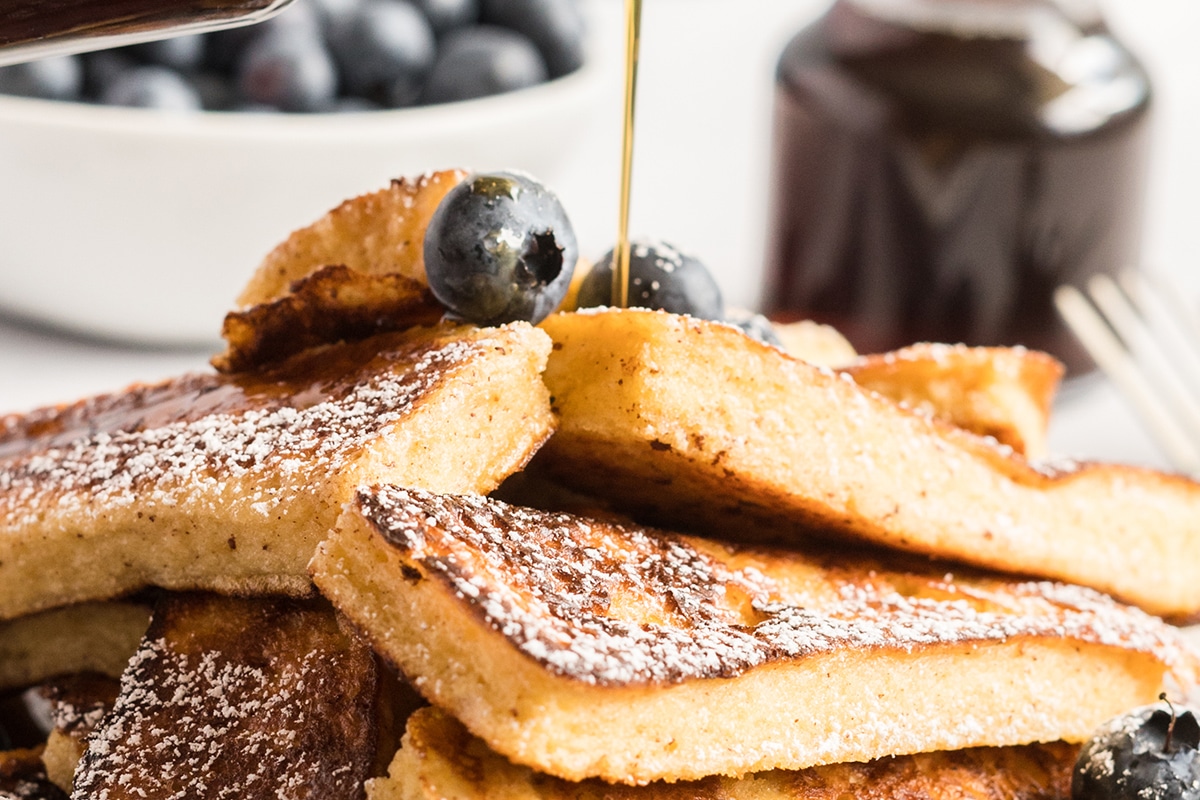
pixel 440 759
pixel 379 233
pixel 333 304
pixel 87 637
pixel 308 380
pixel 228 482
pixel 588 649
pixel 785 449
pixel 239 698
pixel 1005 393
pixel 1002 392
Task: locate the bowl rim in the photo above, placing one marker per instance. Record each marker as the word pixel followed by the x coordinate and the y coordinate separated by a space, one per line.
pixel 439 119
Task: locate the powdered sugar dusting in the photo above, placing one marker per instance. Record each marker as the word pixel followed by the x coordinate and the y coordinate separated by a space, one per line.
pixel 194 719
pixel 666 257
pixel 185 457
pixel 555 585
pixel 71 718
pixel 205 687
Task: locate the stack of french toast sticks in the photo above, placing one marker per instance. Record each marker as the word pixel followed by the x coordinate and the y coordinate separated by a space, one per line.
pixel 622 554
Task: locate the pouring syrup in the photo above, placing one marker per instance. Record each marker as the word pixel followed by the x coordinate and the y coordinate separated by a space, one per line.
pixel 633 31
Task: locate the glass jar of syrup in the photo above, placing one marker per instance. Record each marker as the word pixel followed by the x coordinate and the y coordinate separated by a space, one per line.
pixel 31 29
pixel 940 166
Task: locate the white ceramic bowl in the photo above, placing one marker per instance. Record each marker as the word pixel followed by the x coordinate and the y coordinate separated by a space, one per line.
pixel 143 226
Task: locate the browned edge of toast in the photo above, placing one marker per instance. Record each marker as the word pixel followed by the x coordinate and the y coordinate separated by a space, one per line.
pixel 586 649
pixel 784 450
pixel 440 759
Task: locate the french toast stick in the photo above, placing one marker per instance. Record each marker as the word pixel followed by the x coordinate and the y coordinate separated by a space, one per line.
pixel 588 649
pixel 379 233
pixel 227 482
pixel 239 698
pixel 1003 392
pixel 88 637
pixel 77 704
pixel 819 344
pixel 357 271
pixel 333 304
pixel 439 759
pixel 695 425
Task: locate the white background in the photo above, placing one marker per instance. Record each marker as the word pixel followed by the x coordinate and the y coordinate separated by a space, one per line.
pixel 701 161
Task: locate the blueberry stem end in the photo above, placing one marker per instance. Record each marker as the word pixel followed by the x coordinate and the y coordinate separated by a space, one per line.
pixel 1170 725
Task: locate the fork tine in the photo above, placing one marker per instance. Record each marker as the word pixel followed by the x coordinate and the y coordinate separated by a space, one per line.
pixel 1165 305
pixel 1132 324
pixel 1118 363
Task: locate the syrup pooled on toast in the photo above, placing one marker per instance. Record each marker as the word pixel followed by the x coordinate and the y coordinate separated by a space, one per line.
pixel 941 166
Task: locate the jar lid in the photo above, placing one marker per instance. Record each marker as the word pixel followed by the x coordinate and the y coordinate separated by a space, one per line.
pixel 993 19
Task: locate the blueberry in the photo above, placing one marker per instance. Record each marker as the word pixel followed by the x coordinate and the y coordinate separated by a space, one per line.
pixel 660 277
pixel 384 42
pixel 499 248
pixel 481 61
pixel 448 15
pixel 178 52
pixel 331 13
pixel 57 78
pixel 152 87
pixel 291 73
pixel 555 26
pixel 223 49
pixel 403 92
pixel 102 68
pixel 300 18
pixel 1131 758
pixel 756 326
pixel 215 91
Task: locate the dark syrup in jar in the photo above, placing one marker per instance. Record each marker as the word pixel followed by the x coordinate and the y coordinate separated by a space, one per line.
pixel 937 173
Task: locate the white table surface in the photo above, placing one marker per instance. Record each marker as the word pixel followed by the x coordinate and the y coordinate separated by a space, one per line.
pixel 703 133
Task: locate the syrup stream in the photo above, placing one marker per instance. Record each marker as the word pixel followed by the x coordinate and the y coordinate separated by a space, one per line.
pixel 633 39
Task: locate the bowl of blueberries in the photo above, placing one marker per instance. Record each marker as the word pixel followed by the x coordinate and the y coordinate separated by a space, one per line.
pixel 144 184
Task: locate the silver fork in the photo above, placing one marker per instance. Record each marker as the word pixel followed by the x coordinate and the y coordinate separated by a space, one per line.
pixel 1138 329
